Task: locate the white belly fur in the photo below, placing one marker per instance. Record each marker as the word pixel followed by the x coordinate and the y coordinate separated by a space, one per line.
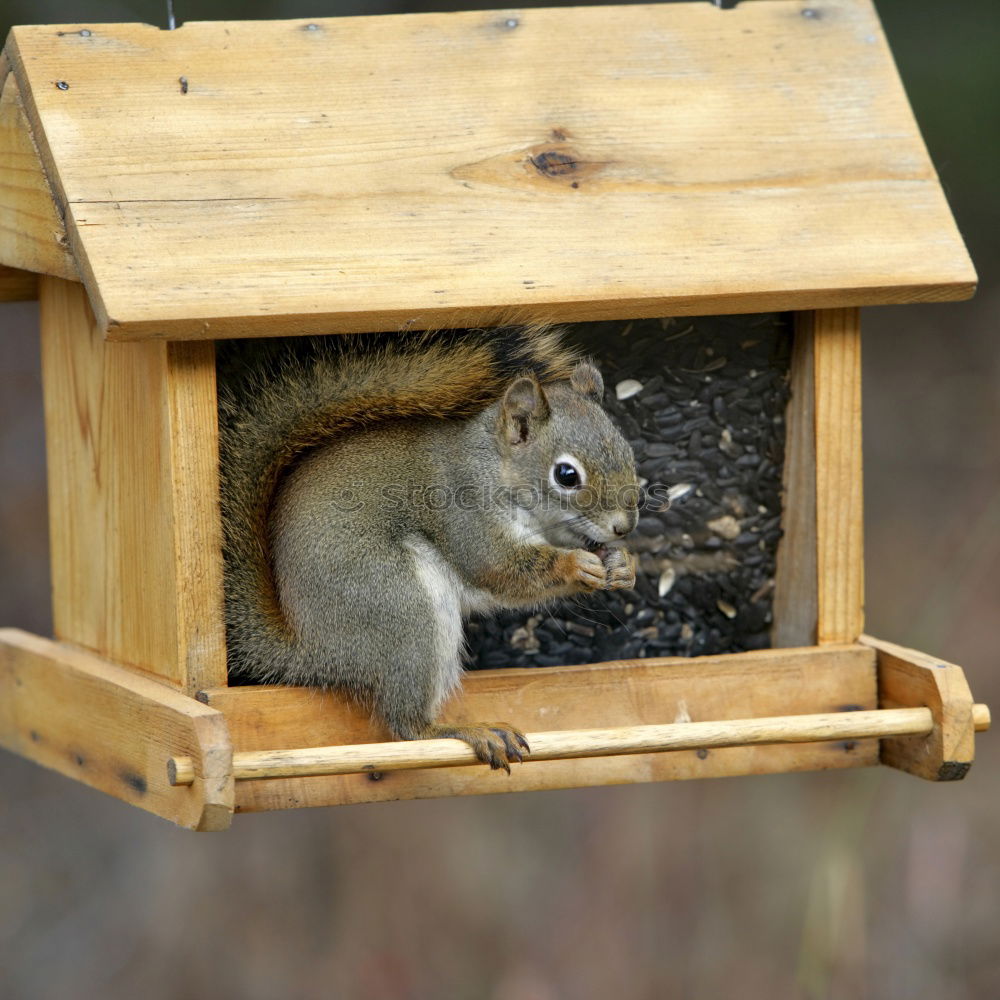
pixel 450 599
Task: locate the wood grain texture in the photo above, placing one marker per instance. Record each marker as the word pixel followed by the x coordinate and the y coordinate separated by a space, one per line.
pixel 626 693
pixel 113 730
pixel 795 583
pixel 131 438
pixel 432 169
pixel 253 765
pixel 17 285
pixel 839 495
pixel 908 677
pixel 32 234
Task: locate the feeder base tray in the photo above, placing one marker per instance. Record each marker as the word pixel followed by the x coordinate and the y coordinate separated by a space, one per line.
pixel 130 736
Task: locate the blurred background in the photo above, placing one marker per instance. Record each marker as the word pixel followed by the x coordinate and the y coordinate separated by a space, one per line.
pixel 869 884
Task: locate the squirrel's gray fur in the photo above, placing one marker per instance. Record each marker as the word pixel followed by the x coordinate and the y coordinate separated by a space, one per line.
pixel 350 552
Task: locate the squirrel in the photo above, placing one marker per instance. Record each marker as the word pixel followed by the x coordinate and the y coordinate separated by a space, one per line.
pixel 376 488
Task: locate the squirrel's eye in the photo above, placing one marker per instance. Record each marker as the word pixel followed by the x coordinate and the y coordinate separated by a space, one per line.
pixel 565 475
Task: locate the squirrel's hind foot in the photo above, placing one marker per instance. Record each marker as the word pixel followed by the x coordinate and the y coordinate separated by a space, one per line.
pixel 494 743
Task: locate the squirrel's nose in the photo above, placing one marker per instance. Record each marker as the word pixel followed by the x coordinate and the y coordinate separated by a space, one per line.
pixel 624 523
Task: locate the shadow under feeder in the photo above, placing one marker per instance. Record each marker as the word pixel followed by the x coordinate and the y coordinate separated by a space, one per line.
pixel 143 253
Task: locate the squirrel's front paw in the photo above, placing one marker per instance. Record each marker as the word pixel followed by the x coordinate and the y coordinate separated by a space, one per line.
pixel 584 569
pixel 619 565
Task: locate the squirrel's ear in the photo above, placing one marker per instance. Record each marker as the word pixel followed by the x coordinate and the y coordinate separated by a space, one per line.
pixel 523 407
pixel 587 381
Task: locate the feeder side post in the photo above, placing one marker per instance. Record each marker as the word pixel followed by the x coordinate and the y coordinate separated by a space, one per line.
pixel 839 498
pixel 132 447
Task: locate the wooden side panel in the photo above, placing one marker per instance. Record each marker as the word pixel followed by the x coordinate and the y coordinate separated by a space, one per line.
pixel 907 678
pixel 795 592
pixel 113 730
pixel 32 234
pixel 637 692
pixel 132 447
pixel 839 500
pixel 571 164
pixel 193 478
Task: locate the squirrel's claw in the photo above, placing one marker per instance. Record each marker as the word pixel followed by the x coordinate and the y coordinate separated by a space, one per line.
pixel 521 741
pixel 513 740
pixel 490 747
pixel 497 762
pixel 496 744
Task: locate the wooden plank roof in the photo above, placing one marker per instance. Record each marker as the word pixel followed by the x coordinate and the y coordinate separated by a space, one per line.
pixel 360 173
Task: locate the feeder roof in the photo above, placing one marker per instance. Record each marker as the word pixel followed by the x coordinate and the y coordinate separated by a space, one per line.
pixel 359 173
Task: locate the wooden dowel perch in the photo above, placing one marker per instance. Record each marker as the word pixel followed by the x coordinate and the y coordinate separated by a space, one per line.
pixel 360 758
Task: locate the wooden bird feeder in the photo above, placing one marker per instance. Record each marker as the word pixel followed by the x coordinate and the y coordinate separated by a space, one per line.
pixel 160 190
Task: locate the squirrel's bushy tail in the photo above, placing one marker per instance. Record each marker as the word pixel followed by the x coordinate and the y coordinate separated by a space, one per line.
pixel 279 399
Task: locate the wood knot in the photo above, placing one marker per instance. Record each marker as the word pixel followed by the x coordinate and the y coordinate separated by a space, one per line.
pixel 546 165
pixel 553 163
pixel 134 781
